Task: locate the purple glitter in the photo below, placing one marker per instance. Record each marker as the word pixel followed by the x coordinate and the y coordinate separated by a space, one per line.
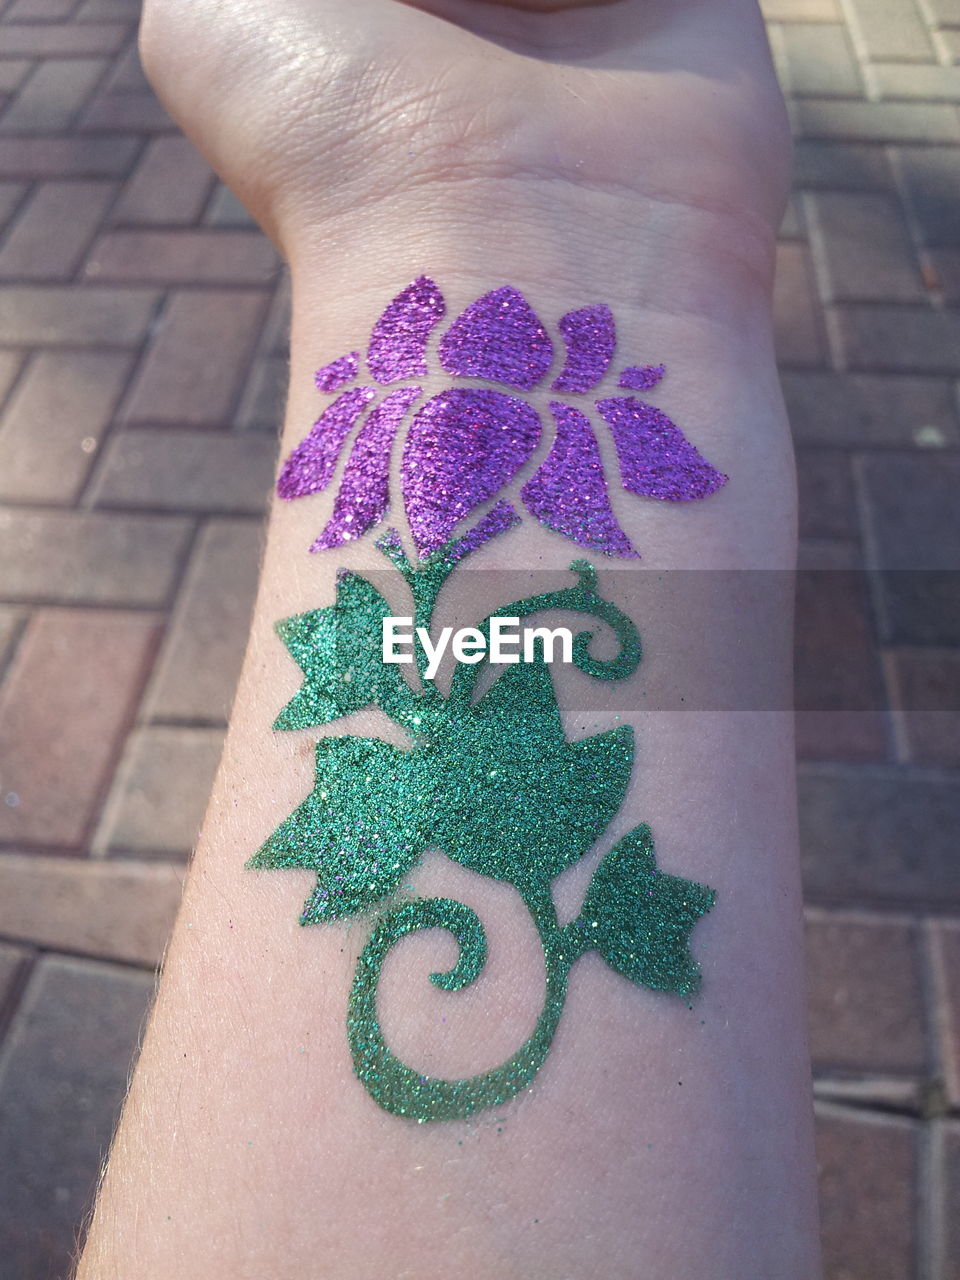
pixel 498 337
pixel 398 343
pixel 365 488
pixel 310 466
pixel 656 460
pixel 497 520
pixel 568 492
pixel 337 373
pixel 641 377
pixel 389 541
pixel 463 445
pixel 590 335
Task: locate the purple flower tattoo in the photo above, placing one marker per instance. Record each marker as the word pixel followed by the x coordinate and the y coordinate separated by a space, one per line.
pixel 465 444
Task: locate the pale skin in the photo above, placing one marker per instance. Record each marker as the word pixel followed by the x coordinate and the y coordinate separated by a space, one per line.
pixel 633 153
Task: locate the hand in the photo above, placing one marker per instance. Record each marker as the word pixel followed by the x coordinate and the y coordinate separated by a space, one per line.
pixel 313 110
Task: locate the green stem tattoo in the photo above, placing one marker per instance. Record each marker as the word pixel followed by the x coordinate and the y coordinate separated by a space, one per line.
pixel 493 784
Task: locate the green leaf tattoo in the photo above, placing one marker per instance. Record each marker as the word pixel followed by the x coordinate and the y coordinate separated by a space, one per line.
pixel 496 786
pixel 338 651
pixel 359 857
pixel 642 917
pixel 509 794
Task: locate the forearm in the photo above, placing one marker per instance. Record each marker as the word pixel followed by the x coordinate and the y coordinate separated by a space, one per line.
pixel 663 1137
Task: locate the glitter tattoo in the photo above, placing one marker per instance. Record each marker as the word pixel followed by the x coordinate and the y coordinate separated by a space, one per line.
pixel 493 784
pixel 465 444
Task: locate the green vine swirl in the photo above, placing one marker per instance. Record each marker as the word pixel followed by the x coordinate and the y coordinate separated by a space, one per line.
pixel 496 786
pixel 406 1092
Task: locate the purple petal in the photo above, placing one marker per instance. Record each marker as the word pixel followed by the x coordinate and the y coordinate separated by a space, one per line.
pixel 498 337
pixel 463 445
pixel 399 339
pixel 497 520
pixel 311 464
pixel 656 459
pixel 335 374
pixel 590 335
pixel 641 377
pixel 365 488
pixel 568 491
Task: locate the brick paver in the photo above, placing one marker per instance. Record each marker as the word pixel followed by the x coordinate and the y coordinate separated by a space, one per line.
pixel 931 178
pixel 868 1171
pixel 877 121
pixel 934 84
pixel 90 557
pixel 944 943
pixel 62 1073
pixel 946 1248
pixel 61 316
pixel 67 700
pixel 879 835
pixel 182 257
pixel 122 110
pixel 800 10
pixel 160 791
pixel 66 157
pixel 51 95
pixel 53 229
pixel 261 405
pixel 907 534
pixel 177 470
pixel 870 410
pixel 839 694
pixel 903 339
pixel 13 72
pixel 889 29
pixel 204 389
pixel 863 248
pixel 11 195
pixel 798 323
pixel 816 58
pixel 866 997
pixel 225 210
pixel 11 362
pixel 825 487
pixel 143 362
pixel 74 394
pixel 12 961
pixel 198 668
pixel 925 683
pixel 171 185
pixel 67 39
pixel 944 268
pixel 915 545
pixel 115 909
pixel 11 623
pixel 840 166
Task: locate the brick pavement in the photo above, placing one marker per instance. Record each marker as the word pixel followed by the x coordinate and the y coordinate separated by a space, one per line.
pixel 134 468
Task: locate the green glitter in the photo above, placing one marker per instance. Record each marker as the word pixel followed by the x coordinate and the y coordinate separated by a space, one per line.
pixel 496 786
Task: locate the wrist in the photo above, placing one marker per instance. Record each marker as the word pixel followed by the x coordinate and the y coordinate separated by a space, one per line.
pixel 649 251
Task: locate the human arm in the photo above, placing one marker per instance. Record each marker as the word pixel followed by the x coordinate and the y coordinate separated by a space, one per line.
pixel 628 153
